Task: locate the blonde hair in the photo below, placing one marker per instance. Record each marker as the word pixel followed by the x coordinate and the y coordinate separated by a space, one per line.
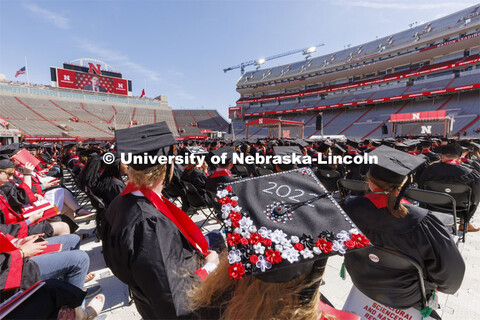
pixel 251 298
pixel 147 177
pixel 8 171
pixel 392 189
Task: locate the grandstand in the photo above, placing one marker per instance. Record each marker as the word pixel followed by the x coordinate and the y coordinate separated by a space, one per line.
pixel 39 112
pixel 195 123
pixel 434 66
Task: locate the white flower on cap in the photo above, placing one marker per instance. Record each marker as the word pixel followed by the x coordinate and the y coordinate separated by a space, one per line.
pixel 259 249
pixel 290 254
pixel 264 232
pixel 306 253
pixel 278 236
pixel 263 264
pixel 339 246
pixel 234 256
pixel 343 235
pixel 245 222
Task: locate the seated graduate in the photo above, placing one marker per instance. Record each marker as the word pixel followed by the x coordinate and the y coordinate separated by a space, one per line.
pixel 277 251
pixel 21 267
pixel 110 183
pixel 452 170
pixel 149 243
pixel 411 230
pixel 222 174
pixel 17 223
pixel 196 172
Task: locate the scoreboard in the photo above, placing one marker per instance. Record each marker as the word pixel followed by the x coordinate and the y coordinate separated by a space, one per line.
pixel 91 78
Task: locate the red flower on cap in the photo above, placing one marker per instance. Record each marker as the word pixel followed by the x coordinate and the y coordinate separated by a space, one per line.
pixel 225 200
pixel 235 217
pixel 236 270
pixel 254 259
pixel 255 238
pixel 357 241
pixel 324 245
pixel 233 239
pixel 228 188
pixel 273 257
pixel 267 242
pixel 243 241
pixel 234 203
pixel 298 246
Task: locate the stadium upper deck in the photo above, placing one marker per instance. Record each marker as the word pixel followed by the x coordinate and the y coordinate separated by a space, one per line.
pixel 421 44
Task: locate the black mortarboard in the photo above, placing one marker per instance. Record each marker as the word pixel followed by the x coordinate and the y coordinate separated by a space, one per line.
pixel 225 150
pixel 287 150
pixel 10 148
pixel 236 143
pixel 452 148
pixel 476 146
pixel 301 143
pixel 153 139
pixel 292 222
pixel 393 165
pixel 352 143
pixel 338 149
pixel 323 147
pixel 5 162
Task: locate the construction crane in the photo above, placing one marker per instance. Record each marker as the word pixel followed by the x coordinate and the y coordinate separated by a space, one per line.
pixel 306 51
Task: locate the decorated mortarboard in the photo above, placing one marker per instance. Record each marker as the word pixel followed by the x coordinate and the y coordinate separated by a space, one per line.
pixel 451 148
pixel 292 222
pixel 153 139
pixel 225 150
pixel 393 165
pixel 198 150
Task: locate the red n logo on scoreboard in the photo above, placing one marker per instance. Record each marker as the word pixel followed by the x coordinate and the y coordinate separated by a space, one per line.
pixel 94 69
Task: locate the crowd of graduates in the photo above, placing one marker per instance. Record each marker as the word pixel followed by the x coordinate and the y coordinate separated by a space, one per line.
pixel 174 270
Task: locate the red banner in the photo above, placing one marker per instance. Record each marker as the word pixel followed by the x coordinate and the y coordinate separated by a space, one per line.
pixel 120 86
pixel 37 138
pixel 91 82
pixel 234 112
pixel 190 137
pixel 414 116
pixel 66 79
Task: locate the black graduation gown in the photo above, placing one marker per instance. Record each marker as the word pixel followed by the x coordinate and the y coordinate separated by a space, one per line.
pixel 108 191
pixel 451 173
pixel 146 251
pixel 197 178
pixel 421 236
pixel 212 184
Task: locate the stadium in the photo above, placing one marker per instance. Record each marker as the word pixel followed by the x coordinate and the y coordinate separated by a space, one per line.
pixel 430 67
pixel 146 230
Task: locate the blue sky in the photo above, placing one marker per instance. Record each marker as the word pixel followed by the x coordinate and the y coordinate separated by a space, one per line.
pixel 179 48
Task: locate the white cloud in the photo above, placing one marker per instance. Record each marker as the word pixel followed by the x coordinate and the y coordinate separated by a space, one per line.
pixel 58 20
pixel 117 59
pixel 406 5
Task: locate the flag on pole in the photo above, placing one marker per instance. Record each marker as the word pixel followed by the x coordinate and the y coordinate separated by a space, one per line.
pixel 21 71
pixel 143 93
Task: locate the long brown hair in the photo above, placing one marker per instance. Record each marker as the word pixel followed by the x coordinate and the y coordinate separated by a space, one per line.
pixel 251 298
pixel 392 190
